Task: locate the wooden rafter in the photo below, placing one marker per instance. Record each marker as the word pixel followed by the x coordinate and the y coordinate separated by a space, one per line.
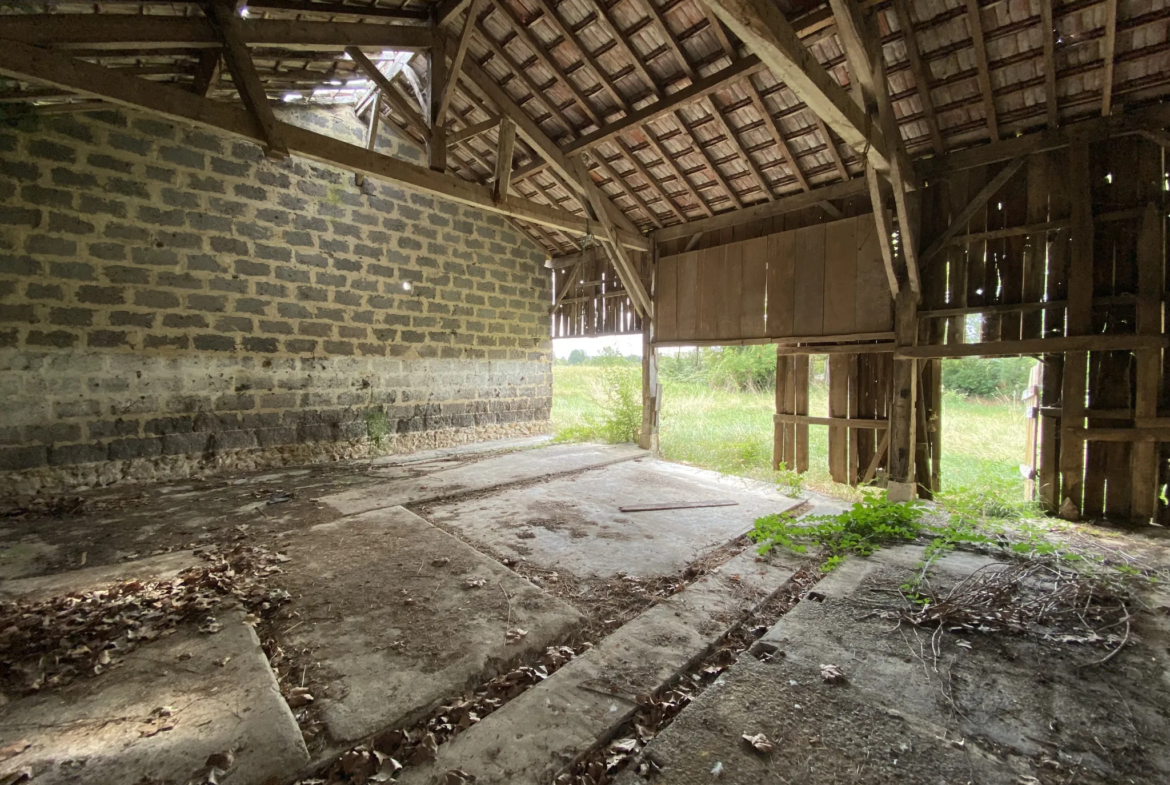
pixel 1108 45
pixel 831 147
pixel 457 56
pixel 1048 33
pixel 448 10
pixel 729 134
pixel 28 63
pixel 546 59
pixel 122 31
pixel 777 136
pixel 975 24
pixel 246 80
pixel 620 182
pixel 761 25
pixel 921 72
pixel 371 132
pixel 644 170
pixel 472 131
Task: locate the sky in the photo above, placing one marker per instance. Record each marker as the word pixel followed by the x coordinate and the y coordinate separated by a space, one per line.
pixel 625 344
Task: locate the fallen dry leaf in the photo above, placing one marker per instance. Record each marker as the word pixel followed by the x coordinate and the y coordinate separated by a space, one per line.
pixel 474 583
pixel 21 775
pixel 831 674
pixel 14 749
pixel 515 635
pixel 759 742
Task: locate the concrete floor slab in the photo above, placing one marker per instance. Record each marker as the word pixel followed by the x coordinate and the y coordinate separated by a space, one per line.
pixel 531 739
pixel 471 476
pixel 153 568
pixel 392 625
pixel 987 708
pixel 159 716
pixel 573 524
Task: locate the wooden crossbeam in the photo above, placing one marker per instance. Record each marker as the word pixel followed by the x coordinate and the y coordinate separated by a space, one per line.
pixel 784 204
pixel 28 63
pixel 959 222
pixel 448 10
pixel 617 254
pixel 472 131
pixel 245 78
pixel 975 24
pixel 1068 343
pixel 121 31
pixel 1108 47
pixel 761 25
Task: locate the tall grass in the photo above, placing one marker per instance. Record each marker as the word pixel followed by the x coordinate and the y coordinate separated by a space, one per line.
pixel 730 431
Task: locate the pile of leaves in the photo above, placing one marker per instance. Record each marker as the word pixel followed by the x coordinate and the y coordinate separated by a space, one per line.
pixel 50 643
pixel 390 752
pixel 1043 597
pixel 861 529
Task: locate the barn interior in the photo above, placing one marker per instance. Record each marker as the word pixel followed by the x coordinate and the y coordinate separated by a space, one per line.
pixel 279 281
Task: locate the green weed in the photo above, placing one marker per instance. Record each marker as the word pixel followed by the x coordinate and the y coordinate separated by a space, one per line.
pixel 377 427
pixel 860 530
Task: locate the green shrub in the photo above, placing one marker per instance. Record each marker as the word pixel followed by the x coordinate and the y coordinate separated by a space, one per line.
pixel 987 377
pixel 861 530
pixel 618 396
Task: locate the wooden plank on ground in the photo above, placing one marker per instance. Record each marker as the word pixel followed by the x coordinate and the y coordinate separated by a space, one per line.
pixel 677 506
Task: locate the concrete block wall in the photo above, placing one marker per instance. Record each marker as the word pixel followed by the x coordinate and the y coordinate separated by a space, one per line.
pixel 173 302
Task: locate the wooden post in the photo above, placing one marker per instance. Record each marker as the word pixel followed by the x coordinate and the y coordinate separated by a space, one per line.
pixel 782 432
pixel 504 158
pixel 437 144
pixel 1144 455
pixel 1080 301
pixel 838 366
pixel 904 389
pixel 800 406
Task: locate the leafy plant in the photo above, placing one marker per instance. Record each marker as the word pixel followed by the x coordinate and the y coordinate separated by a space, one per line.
pixel 789 481
pixel 377 427
pixel 862 529
pixel 620 412
pixel 987 377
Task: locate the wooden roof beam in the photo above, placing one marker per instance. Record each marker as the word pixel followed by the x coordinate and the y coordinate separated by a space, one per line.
pixel 761 25
pixel 1108 47
pixel 457 57
pixel 620 181
pixel 1048 33
pixel 975 23
pixel 97 31
pixel 644 171
pixel 246 80
pixel 389 93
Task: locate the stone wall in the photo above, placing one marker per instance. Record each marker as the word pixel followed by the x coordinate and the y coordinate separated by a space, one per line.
pixel 171 301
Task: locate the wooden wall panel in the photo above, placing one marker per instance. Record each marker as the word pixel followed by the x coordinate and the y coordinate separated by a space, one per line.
pixel 872 304
pixel 780 316
pixel 809 253
pixel 708 294
pixel 666 299
pixel 754 287
pixel 730 288
pixel 687 307
pixel 840 279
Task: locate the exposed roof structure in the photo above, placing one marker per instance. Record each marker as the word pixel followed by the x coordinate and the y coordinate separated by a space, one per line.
pixel 680 119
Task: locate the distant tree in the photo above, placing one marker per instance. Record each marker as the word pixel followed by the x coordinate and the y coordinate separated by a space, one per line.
pixel 577 356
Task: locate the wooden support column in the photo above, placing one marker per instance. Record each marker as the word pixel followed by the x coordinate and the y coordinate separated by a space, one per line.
pixel 838 366
pixel 1080 301
pixel 504 158
pixel 800 363
pixel 1144 455
pixel 206 72
pixel 783 444
pixel 437 87
pixel 651 389
pixel 902 415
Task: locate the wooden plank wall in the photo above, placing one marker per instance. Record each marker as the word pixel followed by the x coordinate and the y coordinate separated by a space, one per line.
pixel 596 303
pixel 1103 268
pixel 819 280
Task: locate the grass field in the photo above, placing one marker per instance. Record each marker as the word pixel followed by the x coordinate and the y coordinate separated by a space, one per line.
pixel 731 432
